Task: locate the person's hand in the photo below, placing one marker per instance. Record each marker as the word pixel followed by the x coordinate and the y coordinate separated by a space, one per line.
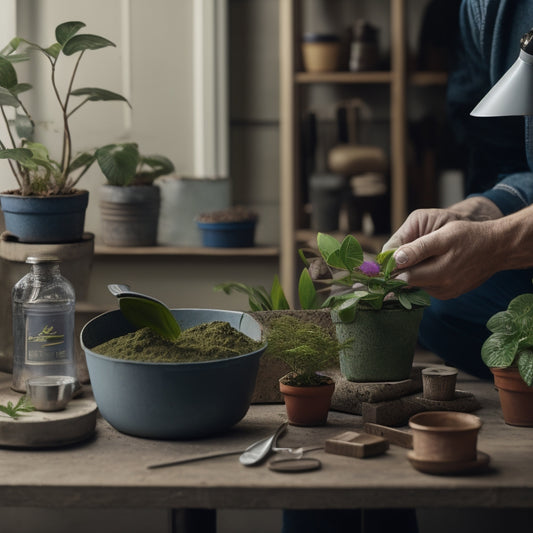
pixel 454 258
pixel 418 223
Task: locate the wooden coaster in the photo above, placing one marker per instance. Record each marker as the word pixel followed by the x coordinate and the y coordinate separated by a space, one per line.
pixel 38 429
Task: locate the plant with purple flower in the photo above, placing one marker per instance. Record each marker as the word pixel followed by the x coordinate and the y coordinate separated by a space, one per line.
pixel 366 284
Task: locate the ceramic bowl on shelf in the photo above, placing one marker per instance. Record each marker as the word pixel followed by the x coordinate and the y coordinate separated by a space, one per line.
pixel 171 400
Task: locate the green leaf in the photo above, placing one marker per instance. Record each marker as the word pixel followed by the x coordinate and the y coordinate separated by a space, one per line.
pixel 258 298
pixel 7 98
pixel 22 155
pixel 306 291
pixel 118 162
pixel 20 88
pixel 278 296
pixel 404 300
pixel 24 126
pixel 85 159
pixel 499 350
pixel 387 262
pixel 66 30
pixel 53 50
pixel 502 322
pixel 525 366
pixel 94 94
pixel 79 43
pixel 11 46
pixel 351 253
pixel 144 313
pixel 8 74
pixel 22 406
pixel 329 249
pixel 158 165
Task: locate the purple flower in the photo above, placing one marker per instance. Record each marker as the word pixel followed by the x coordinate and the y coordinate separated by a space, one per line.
pixel 370 268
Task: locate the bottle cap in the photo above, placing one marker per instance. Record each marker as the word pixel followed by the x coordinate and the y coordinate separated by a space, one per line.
pixel 33 260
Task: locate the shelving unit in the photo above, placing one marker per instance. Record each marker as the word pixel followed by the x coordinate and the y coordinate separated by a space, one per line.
pixel 293 80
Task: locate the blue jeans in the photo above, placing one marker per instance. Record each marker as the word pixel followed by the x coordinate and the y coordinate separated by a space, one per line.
pixel 456 329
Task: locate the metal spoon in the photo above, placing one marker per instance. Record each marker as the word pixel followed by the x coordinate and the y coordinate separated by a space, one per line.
pixel 144 311
pixel 256 452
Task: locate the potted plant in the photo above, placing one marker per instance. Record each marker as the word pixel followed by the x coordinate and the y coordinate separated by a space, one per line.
pixel 307 349
pixel 266 306
pixel 378 311
pixel 233 227
pixel 129 202
pixel 46 185
pixel 508 352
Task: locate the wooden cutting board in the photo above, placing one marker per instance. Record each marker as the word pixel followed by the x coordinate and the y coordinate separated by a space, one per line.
pixel 38 429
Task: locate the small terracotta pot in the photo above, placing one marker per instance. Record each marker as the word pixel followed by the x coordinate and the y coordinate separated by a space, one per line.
pixel 307 406
pixel 445 436
pixel 516 398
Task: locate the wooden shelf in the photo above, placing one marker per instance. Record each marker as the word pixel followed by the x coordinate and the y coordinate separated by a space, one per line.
pixel 256 251
pixel 343 77
pixel 428 78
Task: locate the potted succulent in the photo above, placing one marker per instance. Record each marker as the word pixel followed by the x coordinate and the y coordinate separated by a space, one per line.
pixel 307 349
pixel 129 202
pixel 233 227
pixel 508 352
pixel 46 185
pixel 378 311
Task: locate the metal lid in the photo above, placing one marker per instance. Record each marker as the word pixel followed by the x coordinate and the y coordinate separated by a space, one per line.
pixel 33 260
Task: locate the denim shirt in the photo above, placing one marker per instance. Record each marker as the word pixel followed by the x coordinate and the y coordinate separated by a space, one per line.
pixel 500 166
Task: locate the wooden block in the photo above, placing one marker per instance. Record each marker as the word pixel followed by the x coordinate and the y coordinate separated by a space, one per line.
pixel 353 444
pixel 394 436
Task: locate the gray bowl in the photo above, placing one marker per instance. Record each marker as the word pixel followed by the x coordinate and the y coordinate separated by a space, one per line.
pixel 171 400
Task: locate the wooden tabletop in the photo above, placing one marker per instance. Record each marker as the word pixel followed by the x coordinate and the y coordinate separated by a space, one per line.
pixel 110 470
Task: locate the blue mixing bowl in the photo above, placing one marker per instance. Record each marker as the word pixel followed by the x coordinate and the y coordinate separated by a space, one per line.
pixel 171 400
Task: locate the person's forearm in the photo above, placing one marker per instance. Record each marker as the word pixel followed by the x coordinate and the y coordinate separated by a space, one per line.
pixel 513 239
pixel 476 208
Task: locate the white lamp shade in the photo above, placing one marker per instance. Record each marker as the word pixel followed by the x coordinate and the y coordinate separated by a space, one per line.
pixel 512 94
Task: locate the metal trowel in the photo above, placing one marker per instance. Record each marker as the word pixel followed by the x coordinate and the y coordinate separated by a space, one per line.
pixel 144 311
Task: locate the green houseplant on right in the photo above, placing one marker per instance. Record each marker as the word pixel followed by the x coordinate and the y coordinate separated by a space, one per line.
pixel 380 313
pixel 307 349
pixel 45 183
pixel 129 202
pixel 508 352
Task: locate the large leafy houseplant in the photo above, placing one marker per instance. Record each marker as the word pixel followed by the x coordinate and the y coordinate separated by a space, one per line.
pixel 511 341
pixel 364 284
pixel 36 172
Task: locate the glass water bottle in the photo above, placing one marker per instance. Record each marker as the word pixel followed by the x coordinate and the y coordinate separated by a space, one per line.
pixel 43 323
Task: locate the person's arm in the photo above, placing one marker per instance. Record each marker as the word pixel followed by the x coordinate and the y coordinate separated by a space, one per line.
pixel 462 254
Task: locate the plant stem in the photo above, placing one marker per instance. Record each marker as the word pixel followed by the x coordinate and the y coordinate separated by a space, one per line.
pixel 18 175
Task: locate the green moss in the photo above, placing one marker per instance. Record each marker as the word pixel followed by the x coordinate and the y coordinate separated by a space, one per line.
pixel 205 342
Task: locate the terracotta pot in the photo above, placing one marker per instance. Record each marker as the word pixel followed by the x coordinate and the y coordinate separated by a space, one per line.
pixel 445 436
pixel 307 406
pixel 516 398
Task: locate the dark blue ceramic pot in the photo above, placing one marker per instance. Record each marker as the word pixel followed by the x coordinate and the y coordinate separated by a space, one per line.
pixel 45 219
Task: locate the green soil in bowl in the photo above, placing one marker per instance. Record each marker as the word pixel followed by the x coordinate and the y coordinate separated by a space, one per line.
pixel 205 342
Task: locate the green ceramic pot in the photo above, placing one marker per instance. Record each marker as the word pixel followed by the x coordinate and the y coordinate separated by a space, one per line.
pixel 383 344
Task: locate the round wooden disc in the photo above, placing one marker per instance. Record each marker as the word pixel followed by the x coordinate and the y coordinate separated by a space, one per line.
pixel 38 429
pixel 294 465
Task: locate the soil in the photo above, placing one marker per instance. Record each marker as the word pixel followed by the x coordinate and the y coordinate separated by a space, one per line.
pixel 232 214
pixel 205 342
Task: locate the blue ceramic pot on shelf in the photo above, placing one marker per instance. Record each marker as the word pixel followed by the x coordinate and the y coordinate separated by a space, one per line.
pixel 228 234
